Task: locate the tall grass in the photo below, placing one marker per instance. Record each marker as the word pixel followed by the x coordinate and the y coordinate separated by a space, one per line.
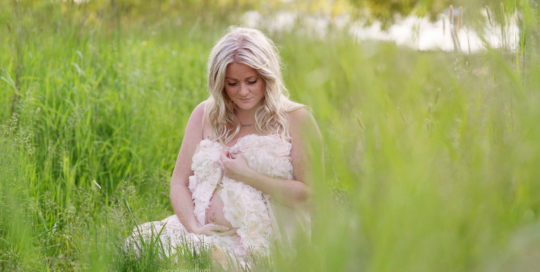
pixel 431 158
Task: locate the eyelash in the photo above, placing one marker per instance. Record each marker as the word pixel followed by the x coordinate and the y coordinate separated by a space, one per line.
pixel 249 82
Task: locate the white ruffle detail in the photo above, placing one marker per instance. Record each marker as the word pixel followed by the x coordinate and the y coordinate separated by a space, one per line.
pixel 268 155
pixel 243 206
pixel 208 173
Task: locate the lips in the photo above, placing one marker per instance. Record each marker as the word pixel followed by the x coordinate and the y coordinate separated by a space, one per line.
pixel 245 99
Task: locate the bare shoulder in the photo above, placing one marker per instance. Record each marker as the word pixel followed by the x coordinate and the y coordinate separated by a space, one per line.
pixel 192 137
pixel 307 152
pixel 198 112
pixel 303 124
pixel 194 128
pixel 300 114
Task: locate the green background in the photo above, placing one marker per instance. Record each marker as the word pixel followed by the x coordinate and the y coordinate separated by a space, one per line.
pixel 432 158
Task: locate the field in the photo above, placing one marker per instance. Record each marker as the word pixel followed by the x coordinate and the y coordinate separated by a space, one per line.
pixel 432 159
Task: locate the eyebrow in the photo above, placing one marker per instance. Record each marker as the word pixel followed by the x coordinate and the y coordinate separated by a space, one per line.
pixel 246 77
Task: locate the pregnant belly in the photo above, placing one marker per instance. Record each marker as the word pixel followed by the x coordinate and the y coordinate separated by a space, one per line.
pixel 215 214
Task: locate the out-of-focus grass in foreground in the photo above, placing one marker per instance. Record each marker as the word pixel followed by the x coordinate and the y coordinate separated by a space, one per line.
pixel 432 158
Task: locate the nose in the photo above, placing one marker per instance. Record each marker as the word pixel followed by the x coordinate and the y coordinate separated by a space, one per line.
pixel 243 90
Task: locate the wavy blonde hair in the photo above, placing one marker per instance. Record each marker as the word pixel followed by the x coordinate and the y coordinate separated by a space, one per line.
pixel 252 48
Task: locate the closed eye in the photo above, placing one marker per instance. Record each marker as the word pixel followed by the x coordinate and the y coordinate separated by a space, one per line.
pixel 235 83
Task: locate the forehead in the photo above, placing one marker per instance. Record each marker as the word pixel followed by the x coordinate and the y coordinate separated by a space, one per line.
pixel 239 71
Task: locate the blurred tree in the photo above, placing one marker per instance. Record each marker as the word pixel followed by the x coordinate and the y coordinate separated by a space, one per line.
pixel 386 11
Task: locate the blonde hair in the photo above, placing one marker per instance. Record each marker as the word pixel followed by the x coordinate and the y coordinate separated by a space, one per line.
pixel 252 48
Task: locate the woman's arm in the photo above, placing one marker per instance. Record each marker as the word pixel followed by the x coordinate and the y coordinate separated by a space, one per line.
pixel 180 195
pixel 293 193
pixel 307 160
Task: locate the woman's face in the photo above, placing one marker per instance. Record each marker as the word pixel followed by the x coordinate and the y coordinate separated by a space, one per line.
pixel 244 86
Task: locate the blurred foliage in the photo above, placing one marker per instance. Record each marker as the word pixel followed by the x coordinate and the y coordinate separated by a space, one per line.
pixel 136 11
pixel 431 157
pixel 387 11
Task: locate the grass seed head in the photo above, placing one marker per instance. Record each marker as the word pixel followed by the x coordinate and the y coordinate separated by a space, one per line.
pixel 443 26
pixel 488 15
pixel 451 15
pixel 460 21
pixel 360 122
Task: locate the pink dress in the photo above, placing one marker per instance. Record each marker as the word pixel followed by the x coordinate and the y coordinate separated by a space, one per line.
pixel 259 219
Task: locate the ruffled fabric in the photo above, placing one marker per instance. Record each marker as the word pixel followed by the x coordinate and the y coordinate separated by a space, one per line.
pixel 245 207
pixel 207 175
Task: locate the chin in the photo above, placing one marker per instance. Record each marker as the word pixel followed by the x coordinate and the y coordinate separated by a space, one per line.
pixel 243 107
pixel 247 106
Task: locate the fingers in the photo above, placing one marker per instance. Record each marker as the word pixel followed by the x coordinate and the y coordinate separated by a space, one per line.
pixel 224 157
pixel 220 228
pixel 227 233
pixel 211 229
pixel 214 228
pixel 206 233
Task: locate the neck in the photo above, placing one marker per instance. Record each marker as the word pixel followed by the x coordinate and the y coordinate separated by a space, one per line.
pixel 245 117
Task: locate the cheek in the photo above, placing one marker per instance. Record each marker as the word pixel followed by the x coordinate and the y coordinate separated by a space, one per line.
pixel 260 88
pixel 228 92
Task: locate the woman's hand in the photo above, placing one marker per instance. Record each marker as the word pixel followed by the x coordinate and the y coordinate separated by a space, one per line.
pixel 235 166
pixel 211 229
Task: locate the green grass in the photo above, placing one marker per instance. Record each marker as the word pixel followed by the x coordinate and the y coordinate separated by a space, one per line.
pixel 432 158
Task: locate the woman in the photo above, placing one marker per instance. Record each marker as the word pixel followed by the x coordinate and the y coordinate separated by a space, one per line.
pixel 241 180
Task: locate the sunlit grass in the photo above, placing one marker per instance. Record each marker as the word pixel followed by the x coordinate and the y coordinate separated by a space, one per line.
pixel 431 158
